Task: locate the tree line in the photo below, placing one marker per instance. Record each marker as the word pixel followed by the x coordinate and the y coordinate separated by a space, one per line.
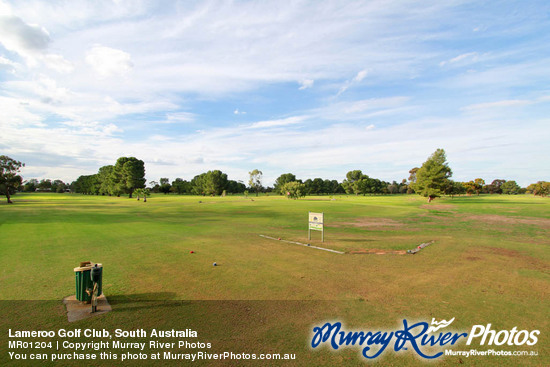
pixel 124 177
pixel 127 176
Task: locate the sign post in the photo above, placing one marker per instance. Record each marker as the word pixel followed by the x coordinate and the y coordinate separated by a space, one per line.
pixel 316 223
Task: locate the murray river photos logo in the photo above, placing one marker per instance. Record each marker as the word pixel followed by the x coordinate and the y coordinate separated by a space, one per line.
pixel 427 340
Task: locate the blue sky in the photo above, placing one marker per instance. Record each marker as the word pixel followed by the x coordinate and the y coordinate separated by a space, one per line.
pixel 316 88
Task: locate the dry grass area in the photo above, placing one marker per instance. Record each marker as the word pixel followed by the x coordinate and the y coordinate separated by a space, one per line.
pixel 372 251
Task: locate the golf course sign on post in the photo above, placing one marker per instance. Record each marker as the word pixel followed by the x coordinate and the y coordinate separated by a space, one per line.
pixel 316 223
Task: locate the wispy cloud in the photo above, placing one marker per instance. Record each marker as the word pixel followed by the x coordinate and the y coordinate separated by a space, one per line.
pixel 278 123
pixel 356 79
pixel 497 104
pixel 470 56
pixel 306 83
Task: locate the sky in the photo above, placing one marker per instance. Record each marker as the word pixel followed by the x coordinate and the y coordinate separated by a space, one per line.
pixel 314 88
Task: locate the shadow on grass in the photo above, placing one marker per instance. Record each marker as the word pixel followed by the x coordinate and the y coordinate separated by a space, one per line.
pixel 145 300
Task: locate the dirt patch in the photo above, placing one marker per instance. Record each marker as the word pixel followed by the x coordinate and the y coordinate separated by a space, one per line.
pixel 373 251
pixel 438 206
pixel 503 252
pixel 503 219
pixel 520 260
pixel 473 258
pixel 370 222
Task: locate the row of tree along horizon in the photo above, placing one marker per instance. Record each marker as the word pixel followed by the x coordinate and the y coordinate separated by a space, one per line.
pixel 128 174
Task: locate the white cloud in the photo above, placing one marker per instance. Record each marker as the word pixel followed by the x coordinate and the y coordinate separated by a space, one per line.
pixel 237 112
pixel 470 57
pixel 306 83
pixel 108 61
pixel 57 63
pixel 278 123
pixel 356 79
pixel 5 61
pixel 179 117
pixel 360 76
pixel 497 104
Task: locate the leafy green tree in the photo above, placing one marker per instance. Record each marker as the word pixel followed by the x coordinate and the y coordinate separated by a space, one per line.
pixel 541 188
pixel 181 186
pixel 403 187
pixel 133 175
pixel 255 182
pixel 88 184
pixel 412 180
pixel 106 184
pixel 58 186
pixel 479 183
pixel 281 181
pixel 352 184
pixel 216 182
pixel 45 185
pixel 317 186
pixel 235 187
pixel 510 188
pixel 495 187
pixel 433 177
pixel 155 187
pixel 31 185
pixel 470 187
pixel 294 190
pixel 164 186
pixel 10 180
pixel 454 188
pixel 209 183
pixel 393 188
pixel 128 175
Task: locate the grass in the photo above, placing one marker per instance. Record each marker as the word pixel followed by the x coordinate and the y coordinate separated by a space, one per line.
pixel 490 263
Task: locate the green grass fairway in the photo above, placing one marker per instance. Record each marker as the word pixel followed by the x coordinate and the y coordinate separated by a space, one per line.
pixel 490 263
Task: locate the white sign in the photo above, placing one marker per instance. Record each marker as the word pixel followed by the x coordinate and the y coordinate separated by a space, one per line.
pixel 316 223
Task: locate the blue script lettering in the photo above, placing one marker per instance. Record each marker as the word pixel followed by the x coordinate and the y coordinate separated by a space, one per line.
pixel 367 339
pixel 405 335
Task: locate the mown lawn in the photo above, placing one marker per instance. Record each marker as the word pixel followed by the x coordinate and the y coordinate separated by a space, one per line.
pixel 490 263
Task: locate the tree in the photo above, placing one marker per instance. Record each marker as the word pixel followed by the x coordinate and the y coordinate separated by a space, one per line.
pixel 294 190
pixel 454 188
pixel 88 185
pixel 479 182
pixel 510 188
pixel 106 184
pixel 10 180
pixel 412 180
pixel 281 181
pixel 164 186
pixel 255 182
pixel 541 188
pixel 180 186
pixel 58 186
pixel 133 175
pixel 433 177
pixel 128 175
pixel 495 187
pixel 209 183
pixel 30 185
pixel 235 187
pixel 352 184
pixel 142 193
pixel 155 187
pixel 216 182
pixel 45 185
